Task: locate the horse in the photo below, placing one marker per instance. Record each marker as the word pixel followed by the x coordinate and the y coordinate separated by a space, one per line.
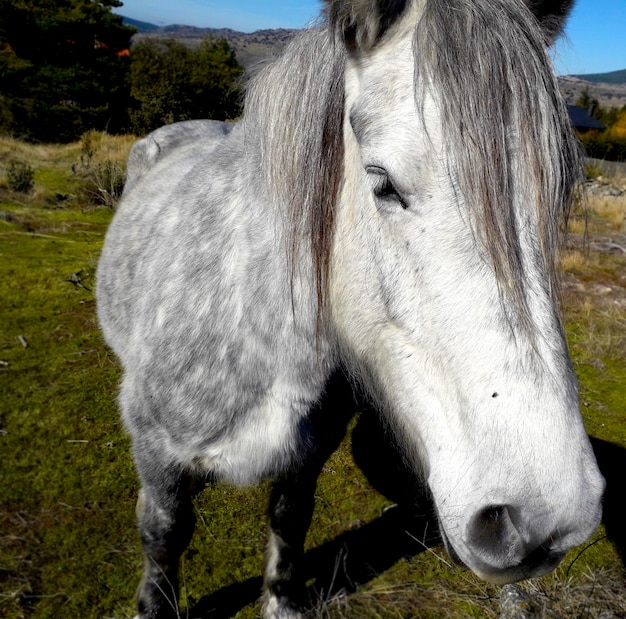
pixel 384 218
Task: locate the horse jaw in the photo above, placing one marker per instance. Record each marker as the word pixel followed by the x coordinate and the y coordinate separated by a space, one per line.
pixel 487 407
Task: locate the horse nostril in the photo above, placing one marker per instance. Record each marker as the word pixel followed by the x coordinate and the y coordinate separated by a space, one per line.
pixel 490 524
pixel 545 556
pixel 497 536
pixel 493 514
pixel 493 536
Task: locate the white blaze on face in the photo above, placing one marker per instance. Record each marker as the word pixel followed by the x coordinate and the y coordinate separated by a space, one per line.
pixel 491 412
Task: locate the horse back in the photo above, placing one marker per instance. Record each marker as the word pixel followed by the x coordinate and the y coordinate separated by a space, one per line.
pixel 165 140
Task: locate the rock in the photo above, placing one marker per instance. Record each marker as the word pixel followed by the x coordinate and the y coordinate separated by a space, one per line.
pixel 518 604
pixel 8 217
pixel 604 188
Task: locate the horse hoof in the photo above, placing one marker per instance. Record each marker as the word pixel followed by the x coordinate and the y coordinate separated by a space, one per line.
pixel 280 608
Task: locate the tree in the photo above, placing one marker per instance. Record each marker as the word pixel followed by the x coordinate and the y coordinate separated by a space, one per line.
pixel 63 68
pixel 171 82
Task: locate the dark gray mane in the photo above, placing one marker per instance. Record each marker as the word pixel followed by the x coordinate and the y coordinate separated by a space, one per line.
pixel 297 104
pixel 485 62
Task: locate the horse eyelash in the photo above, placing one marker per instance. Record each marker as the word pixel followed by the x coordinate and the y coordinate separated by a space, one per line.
pixel 384 189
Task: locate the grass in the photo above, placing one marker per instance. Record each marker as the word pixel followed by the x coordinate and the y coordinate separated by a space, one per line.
pixel 68 546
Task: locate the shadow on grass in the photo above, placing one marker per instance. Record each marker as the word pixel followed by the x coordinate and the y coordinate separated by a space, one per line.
pixel 355 557
pixel 340 565
pixel 352 559
pixel 612 462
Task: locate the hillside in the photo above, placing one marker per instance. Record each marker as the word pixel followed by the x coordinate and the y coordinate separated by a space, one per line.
pixel 253 48
pixel 608 88
pixel 613 77
pixel 608 94
pixel 250 49
pixel 141 26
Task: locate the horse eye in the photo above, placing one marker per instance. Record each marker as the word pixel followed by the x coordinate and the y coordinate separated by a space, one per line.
pixel 383 188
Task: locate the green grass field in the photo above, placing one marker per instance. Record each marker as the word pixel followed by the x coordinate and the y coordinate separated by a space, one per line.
pixel 68 546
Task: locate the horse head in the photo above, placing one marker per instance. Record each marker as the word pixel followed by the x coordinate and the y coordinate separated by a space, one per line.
pixel 459 166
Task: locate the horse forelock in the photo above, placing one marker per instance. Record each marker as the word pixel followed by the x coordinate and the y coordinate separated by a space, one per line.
pixel 505 125
pixel 363 23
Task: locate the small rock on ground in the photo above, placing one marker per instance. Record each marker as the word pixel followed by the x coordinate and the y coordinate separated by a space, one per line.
pixel 517 604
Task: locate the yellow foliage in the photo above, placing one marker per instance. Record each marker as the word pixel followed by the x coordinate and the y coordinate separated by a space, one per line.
pixel 618 130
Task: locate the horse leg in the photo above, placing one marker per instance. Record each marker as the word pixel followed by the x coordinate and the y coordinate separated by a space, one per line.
pixel 290 513
pixel 166 521
pixel 292 501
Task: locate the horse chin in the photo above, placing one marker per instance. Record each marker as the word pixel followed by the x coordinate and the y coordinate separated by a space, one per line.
pixel 529 568
pixel 452 553
pixel 540 562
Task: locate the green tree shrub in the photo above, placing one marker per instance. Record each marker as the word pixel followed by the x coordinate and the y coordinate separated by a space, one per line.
pixel 611 143
pixel 63 68
pixel 20 176
pixel 171 82
pixel 604 146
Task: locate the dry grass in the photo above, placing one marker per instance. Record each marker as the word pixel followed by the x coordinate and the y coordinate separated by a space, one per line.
pixel 573 260
pixel 112 147
pixel 577 225
pixel 106 147
pixel 102 146
pixel 68 547
pixel 591 593
pixel 611 209
pixel 89 171
pixel 602 330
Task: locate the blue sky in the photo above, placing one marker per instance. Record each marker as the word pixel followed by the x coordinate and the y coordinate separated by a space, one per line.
pixel 595 40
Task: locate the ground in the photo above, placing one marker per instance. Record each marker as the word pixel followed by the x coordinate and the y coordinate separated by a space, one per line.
pixel 68 547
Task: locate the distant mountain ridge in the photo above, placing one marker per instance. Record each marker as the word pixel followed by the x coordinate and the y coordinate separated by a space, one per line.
pixel 250 48
pixel 141 26
pixel 608 94
pixel 613 77
pixel 253 48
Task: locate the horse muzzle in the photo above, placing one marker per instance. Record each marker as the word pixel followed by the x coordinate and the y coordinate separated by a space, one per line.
pixel 503 544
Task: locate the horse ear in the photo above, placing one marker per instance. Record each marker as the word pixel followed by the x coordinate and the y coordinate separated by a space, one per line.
pixel 551 15
pixel 362 23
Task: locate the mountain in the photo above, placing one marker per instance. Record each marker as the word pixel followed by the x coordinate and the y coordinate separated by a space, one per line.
pixel 614 77
pixel 608 88
pixel 250 49
pixel 608 94
pixel 141 26
pixel 253 48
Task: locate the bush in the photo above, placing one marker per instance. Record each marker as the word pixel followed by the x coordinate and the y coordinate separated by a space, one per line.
pixel 171 82
pixel 20 176
pixel 592 171
pixel 602 146
pixel 105 183
pixel 63 68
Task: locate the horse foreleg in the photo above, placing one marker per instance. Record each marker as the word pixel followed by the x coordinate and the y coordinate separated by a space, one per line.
pixel 166 521
pixel 290 513
pixel 292 501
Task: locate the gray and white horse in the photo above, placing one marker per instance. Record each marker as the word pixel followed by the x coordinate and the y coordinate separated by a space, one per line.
pixel 388 210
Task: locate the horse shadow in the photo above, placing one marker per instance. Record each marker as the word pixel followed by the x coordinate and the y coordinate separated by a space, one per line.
pixel 612 462
pixel 352 559
pixel 339 566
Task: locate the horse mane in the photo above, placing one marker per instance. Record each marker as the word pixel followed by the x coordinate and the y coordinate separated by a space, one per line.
pixel 297 105
pixel 502 118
